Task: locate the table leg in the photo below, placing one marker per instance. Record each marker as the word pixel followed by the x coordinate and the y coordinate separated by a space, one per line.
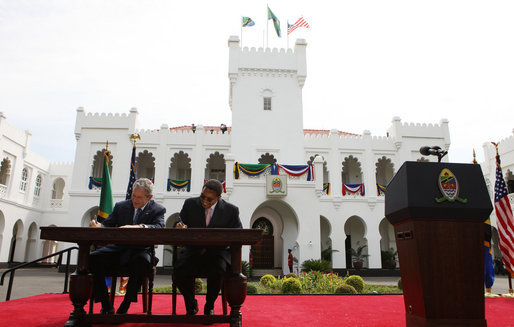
pixel 81 284
pixel 235 289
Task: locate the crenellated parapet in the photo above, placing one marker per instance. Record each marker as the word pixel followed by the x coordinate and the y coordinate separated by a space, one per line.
pixel 105 121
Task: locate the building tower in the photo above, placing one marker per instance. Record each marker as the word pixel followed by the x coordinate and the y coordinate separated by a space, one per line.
pixel 266 102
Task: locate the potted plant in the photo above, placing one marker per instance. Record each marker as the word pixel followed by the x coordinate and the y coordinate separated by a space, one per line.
pixel 358 257
pixel 389 258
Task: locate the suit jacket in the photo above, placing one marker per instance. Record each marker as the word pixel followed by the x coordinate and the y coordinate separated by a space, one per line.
pixel 123 214
pixel 225 215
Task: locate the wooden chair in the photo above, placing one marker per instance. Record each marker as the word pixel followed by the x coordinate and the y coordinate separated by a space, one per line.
pixel 147 284
pixel 174 287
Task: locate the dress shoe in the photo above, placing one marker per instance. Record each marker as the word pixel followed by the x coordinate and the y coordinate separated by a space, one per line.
pixel 192 308
pixel 124 306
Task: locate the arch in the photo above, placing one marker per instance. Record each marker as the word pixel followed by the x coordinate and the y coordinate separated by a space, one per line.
pixel 58 189
pixel 509 179
pixel 98 164
pixel 284 222
pixel 37 186
pixel 351 172
pixel 145 165
pixel 88 216
pixel 49 247
pixel 325 169
pixel 5 171
pixel 384 171
pixel 31 245
pixel 17 236
pixel 167 250
pixel 267 158
pixel 387 241
pixel 180 166
pixel 215 167
pixel 326 241
pixel 355 230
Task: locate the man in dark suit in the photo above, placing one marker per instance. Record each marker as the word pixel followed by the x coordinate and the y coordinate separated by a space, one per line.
pixel 206 211
pixel 138 212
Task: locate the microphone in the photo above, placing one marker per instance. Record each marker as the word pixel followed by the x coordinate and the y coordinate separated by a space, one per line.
pixel 433 151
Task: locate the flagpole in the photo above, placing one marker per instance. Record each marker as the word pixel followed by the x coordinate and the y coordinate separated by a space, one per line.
pixel 267 23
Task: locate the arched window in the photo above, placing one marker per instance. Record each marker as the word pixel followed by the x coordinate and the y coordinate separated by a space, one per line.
pixel 180 167
pixel 325 170
pixel 98 164
pixel 5 168
pixel 384 171
pixel 37 187
pixel 24 178
pixel 351 173
pixel 58 189
pixel 145 165
pixel 215 168
pixel 267 159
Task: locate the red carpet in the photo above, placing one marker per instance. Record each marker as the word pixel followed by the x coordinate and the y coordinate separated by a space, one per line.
pixel 52 310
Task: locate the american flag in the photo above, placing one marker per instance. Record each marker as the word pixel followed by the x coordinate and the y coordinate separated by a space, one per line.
pixel 505 221
pixel 299 23
pixel 132 177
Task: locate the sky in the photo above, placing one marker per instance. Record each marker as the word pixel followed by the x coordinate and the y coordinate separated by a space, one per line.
pixel 367 62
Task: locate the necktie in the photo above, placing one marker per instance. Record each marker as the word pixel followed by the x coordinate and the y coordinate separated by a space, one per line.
pixel 136 217
pixel 207 216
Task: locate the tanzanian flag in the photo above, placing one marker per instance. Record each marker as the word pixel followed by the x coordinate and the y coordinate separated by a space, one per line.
pixel 106 201
pixel 276 22
pixel 247 21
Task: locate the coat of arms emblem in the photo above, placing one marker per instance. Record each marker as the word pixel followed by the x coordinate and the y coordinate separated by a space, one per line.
pixel 449 187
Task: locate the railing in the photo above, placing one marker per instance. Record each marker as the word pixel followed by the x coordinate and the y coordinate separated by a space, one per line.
pixel 59 260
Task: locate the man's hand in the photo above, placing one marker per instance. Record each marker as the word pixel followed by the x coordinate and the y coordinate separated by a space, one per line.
pixel 180 225
pixel 94 223
pixel 131 226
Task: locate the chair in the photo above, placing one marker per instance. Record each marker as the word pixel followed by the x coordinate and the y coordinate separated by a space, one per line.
pixel 199 275
pixel 147 284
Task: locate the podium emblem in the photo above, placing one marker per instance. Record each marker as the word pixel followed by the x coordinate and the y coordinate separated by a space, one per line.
pixel 449 186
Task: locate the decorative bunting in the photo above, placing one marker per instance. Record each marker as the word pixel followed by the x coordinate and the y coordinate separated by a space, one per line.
pixel 95 181
pixel 353 188
pixel 326 188
pixel 381 189
pixel 179 184
pixel 298 170
pixel 249 169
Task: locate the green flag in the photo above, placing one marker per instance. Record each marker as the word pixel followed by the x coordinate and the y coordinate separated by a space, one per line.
pixel 106 201
pixel 276 22
pixel 247 21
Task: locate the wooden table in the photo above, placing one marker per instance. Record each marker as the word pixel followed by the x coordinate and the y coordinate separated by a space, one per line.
pixel 81 281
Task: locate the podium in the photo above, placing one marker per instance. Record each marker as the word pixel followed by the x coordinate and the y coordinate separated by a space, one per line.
pixel 438 210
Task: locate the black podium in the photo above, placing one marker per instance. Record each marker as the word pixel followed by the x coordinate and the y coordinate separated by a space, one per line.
pixel 438 210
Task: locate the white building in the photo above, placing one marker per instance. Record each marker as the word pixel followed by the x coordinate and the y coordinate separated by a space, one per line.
pixel 339 207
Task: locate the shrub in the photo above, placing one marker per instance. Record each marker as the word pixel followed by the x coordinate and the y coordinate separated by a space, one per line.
pixel 251 289
pixel 246 269
pixel 268 280
pixel 291 285
pixel 198 285
pixel 345 289
pixel 356 281
pixel 291 275
pixel 400 286
pixel 316 282
pixel 316 265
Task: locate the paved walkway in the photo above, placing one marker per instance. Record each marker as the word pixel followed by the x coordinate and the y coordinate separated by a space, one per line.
pixel 34 281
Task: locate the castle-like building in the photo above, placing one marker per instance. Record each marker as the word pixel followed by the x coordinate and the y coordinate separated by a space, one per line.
pixel 312 191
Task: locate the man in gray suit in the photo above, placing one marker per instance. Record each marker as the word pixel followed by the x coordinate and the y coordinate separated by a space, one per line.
pixel 206 211
pixel 138 212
